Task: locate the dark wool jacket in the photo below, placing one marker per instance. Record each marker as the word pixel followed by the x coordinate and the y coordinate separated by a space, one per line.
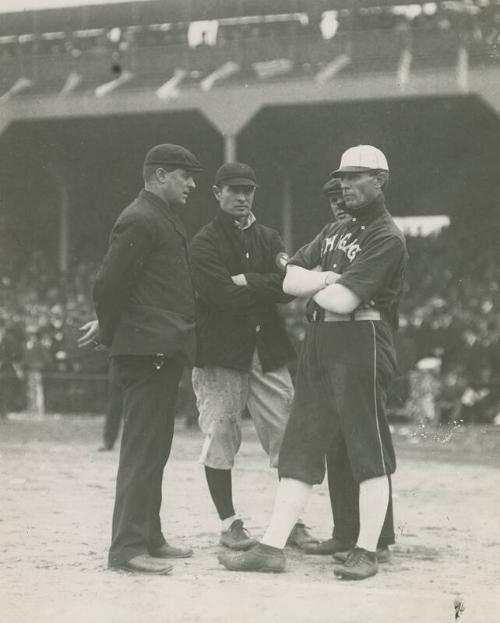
pixel 143 294
pixel 232 320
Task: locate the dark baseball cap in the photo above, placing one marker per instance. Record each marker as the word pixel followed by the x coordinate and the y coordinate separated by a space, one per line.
pixel 332 188
pixel 235 174
pixel 173 156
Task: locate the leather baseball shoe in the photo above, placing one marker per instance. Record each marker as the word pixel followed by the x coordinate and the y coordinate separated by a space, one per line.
pixel 236 537
pixel 169 551
pixel 263 558
pixel 383 555
pixel 328 548
pixel 300 537
pixel 146 564
pixel 359 564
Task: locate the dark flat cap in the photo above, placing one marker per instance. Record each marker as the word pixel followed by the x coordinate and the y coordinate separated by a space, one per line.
pixel 173 155
pixel 332 187
pixel 235 174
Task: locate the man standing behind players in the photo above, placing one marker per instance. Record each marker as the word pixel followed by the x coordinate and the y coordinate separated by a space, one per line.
pixel 346 363
pixel 145 306
pixel 243 348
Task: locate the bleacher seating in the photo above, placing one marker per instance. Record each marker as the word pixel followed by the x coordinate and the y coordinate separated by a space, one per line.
pixel 109 39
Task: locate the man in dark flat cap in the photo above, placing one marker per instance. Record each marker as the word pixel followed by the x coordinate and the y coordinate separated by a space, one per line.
pixel 332 189
pixel 144 301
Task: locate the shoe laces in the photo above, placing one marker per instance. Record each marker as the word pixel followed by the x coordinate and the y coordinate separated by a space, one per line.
pixel 355 556
pixel 237 526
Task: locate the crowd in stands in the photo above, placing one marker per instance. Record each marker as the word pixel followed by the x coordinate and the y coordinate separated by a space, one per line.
pixel 451 320
pixel 448 342
pixel 40 316
pixel 302 39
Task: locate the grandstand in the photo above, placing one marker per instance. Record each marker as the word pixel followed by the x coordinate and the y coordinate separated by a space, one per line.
pixel 284 84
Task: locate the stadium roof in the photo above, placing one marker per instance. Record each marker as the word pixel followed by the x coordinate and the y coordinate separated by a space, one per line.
pixel 31 16
pixel 203 8
pixel 14 6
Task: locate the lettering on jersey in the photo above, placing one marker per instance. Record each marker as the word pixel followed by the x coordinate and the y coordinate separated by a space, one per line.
pixel 343 243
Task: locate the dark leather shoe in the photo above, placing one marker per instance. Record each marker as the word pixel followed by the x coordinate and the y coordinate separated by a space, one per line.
pixel 169 551
pixel 383 555
pixel 261 557
pixel 327 548
pixel 237 537
pixel 300 537
pixel 146 564
pixel 359 564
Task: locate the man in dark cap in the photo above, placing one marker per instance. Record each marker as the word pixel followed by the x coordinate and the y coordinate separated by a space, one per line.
pixel 332 190
pixel 144 299
pixel 243 348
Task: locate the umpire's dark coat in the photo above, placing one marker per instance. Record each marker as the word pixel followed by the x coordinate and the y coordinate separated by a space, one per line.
pixel 145 305
pixel 143 293
pixel 234 320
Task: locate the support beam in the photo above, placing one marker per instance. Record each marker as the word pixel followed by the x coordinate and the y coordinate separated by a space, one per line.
pixel 229 148
pixel 64 224
pixel 287 212
pixel 463 70
pixel 4 119
pixel 61 174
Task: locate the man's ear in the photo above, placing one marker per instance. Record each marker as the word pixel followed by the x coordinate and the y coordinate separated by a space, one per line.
pixel 382 178
pixel 216 192
pixel 161 175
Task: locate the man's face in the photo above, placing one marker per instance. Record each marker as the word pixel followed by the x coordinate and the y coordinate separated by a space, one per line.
pixel 337 206
pixel 176 185
pixel 235 200
pixel 359 189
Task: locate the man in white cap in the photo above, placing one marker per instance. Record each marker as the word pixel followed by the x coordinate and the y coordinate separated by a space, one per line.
pixel 345 367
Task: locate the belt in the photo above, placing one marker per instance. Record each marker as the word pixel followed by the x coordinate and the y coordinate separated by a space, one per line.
pixel 359 314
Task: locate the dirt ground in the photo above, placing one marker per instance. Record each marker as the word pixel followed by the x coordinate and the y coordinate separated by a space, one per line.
pixel 56 497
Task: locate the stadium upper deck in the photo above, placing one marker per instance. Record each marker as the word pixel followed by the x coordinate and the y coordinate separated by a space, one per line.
pixel 147 45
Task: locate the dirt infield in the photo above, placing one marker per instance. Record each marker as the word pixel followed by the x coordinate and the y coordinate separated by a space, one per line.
pixel 56 502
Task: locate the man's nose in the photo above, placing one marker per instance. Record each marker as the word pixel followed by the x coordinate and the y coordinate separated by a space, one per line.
pixel 191 183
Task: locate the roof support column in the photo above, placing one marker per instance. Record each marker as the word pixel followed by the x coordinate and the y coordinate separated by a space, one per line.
pixel 287 212
pixel 229 119
pixel 229 147
pixel 61 177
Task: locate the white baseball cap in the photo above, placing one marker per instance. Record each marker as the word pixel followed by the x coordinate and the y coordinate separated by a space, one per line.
pixel 361 158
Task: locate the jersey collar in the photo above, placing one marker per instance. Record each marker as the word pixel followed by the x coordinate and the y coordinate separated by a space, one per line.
pixel 370 212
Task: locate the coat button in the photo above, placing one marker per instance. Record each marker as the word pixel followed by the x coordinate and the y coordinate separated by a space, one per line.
pixel 257 328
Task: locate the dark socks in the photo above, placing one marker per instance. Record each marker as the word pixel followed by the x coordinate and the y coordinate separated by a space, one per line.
pixel 221 490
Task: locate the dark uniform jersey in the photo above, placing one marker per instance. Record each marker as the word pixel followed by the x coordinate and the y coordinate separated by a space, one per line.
pixel 369 252
pixel 345 368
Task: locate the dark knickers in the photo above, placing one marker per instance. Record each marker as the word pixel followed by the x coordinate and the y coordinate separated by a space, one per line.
pixel 340 396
